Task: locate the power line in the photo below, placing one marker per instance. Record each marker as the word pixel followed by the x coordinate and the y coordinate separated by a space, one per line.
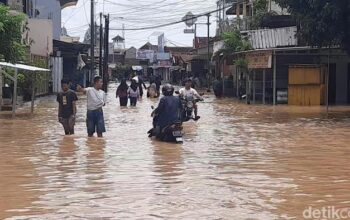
pixel 168 24
pixel 74 12
pixel 143 10
pixel 86 17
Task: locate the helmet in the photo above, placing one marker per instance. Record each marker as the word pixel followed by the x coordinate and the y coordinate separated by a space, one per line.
pixel 168 90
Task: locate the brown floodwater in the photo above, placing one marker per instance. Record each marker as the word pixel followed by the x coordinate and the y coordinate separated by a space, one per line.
pixel 238 162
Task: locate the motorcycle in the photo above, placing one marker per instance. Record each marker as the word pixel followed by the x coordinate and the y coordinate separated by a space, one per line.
pixel 171 133
pixel 188 104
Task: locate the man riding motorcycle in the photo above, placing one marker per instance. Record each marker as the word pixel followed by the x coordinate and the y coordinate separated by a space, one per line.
pixel 168 111
pixel 190 93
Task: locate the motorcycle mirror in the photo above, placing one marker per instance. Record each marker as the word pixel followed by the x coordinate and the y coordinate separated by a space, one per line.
pixel 177 92
pixel 152 107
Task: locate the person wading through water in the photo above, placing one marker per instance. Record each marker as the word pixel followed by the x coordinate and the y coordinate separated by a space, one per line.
pixel 122 93
pixel 133 93
pixel 67 107
pixel 96 99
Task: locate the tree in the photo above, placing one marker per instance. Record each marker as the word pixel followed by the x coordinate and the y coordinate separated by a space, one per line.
pixel 234 42
pixel 323 23
pixel 12 48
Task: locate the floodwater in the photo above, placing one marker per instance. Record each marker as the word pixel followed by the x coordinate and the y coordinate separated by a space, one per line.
pixel 237 162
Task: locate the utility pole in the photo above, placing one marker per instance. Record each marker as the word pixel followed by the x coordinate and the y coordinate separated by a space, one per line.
pixel 209 69
pixel 101 47
pixel 124 35
pixel 106 54
pixel 195 36
pixel 223 15
pixel 92 39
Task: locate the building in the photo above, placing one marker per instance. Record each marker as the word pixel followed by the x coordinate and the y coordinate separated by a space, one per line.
pixel 69 61
pixel 117 51
pixel 130 57
pixel 179 58
pixel 48 9
pixel 66 38
pixel 278 58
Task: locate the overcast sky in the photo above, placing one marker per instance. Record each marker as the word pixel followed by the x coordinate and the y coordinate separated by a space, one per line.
pixel 142 13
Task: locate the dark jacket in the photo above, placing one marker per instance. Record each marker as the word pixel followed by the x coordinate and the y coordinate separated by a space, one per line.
pixel 122 91
pixel 168 111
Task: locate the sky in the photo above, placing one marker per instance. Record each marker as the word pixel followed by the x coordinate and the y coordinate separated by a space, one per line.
pixel 142 13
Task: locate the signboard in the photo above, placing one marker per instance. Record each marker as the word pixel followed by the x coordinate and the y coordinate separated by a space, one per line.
pixel 189 31
pixel 163 56
pixel 282 96
pixel 164 63
pixel 189 19
pixel 161 43
pixel 145 55
pixel 259 60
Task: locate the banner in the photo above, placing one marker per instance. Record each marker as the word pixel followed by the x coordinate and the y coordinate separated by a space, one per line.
pixel 161 43
pixel 259 60
pixel 145 55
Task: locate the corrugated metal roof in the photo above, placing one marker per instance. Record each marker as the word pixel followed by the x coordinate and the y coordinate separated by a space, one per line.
pixel 273 38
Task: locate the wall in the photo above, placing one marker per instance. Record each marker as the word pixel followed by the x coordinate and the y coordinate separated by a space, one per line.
pixel 49 9
pixel 341 63
pixel 341 82
pixel 131 53
pixel 57 73
pixel 16 5
pixel 40 34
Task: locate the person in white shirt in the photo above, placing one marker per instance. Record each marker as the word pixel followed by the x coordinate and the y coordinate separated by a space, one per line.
pixel 96 99
pixel 133 92
pixel 188 91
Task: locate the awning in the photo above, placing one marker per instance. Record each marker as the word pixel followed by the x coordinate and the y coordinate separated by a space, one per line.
pixel 14 78
pixel 24 67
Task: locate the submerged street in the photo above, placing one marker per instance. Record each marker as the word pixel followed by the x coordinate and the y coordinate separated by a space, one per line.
pixel 237 162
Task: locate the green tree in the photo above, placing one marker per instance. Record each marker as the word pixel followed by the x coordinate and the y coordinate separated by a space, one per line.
pixel 323 23
pixel 234 42
pixel 260 11
pixel 12 48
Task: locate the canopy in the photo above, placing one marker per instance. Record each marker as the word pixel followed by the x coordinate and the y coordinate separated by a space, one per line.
pixel 137 68
pixel 24 67
pixel 14 78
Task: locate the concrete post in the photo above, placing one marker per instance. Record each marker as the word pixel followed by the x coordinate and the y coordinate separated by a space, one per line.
pixel 274 78
pixel 254 80
pixel 33 93
pixel 264 86
pixel 1 88
pixel 14 99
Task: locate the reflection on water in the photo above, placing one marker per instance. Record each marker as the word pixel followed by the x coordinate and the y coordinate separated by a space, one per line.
pixel 237 162
pixel 168 162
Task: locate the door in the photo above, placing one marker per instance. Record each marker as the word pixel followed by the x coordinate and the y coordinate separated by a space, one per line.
pixel 349 83
pixel 332 90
